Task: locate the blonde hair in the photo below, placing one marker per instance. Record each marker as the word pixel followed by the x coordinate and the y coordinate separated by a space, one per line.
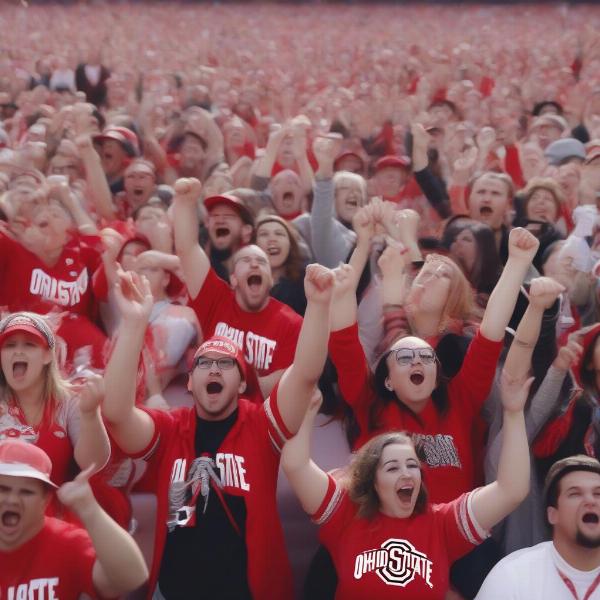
pixel 56 389
pixel 460 302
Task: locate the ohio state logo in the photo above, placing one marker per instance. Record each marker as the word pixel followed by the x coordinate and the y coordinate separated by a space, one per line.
pixel 396 563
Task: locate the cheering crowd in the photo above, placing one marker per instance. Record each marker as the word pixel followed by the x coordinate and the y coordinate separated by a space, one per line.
pixel 225 230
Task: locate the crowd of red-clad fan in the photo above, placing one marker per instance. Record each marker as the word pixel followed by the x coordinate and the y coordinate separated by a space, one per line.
pixel 226 230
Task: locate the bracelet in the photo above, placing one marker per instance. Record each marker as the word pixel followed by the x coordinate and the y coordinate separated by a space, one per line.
pixel 523 344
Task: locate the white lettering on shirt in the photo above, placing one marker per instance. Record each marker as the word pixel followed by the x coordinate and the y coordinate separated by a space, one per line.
pixel 396 563
pixel 258 350
pixel 64 293
pixel 231 470
pixel 36 589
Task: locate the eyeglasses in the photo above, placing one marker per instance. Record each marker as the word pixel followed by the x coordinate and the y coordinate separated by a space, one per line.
pixel 224 364
pixel 405 356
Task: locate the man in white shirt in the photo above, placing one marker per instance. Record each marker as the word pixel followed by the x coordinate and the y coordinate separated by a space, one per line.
pixel 568 567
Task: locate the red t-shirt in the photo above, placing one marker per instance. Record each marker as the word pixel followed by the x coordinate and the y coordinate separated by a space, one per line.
pixel 268 336
pixel 30 284
pixel 387 557
pixel 247 463
pixel 56 563
pixel 447 438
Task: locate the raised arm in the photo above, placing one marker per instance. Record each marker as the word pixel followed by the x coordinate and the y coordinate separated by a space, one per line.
pixel 131 427
pixel 194 262
pixel 58 188
pixel 265 164
pixel 543 293
pixel 308 480
pixel 496 500
pixel 92 446
pixel 95 177
pixel 300 379
pixel 430 186
pixel 120 565
pixel 522 246
pixel 327 243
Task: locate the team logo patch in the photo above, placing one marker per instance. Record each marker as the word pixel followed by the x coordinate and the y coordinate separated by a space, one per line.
pixel 397 562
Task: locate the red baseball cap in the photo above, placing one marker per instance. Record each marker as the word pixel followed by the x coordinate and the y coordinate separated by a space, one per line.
pixel 127 138
pixel 233 202
pixel 395 162
pixel 29 323
pixel 224 346
pixel 20 459
pixel 348 154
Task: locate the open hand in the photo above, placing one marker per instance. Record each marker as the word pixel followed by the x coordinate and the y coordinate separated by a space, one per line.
pixel 514 391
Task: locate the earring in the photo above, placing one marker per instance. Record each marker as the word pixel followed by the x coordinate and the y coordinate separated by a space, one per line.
pixel 388 386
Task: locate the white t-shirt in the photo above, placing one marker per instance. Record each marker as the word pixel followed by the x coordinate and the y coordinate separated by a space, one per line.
pixel 532 574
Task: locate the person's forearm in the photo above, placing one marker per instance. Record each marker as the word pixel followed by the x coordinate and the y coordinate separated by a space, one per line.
pixel 328 245
pixel 185 227
pixel 265 164
pixel 394 287
pixel 82 219
pixel 117 553
pixel 93 445
pixel 544 402
pixel 97 183
pixel 518 360
pixel 513 466
pixel 434 191
pixel 121 372
pixel 503 299
pixel 299 381
pixel 306 174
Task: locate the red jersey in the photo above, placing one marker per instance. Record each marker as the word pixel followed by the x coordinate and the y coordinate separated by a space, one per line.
pixel 30 284
pixel 247 463
pixel 268 336
pixel 387 557
pixel 56 563
pixel 446 438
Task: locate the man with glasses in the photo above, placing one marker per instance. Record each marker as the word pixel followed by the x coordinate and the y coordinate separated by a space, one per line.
pixel 214 466
pixel 265 329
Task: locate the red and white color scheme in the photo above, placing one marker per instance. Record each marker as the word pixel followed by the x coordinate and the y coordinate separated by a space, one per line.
pixel 387 557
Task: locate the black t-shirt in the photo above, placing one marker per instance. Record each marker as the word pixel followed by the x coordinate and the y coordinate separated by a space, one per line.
pixel 209 560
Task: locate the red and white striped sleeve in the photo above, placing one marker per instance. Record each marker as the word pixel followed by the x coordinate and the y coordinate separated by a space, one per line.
pixel 465 519
pixel 331 502
pixel 279 434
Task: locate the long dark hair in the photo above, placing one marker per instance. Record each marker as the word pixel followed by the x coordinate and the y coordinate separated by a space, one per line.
pixel 487 266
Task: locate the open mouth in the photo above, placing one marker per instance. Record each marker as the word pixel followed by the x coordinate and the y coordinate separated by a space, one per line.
pixel 107 156
pixel 417 378
pixel 405 493
pixel 10 518
pixel 19 369
pixel 485 211
pixel 222 232
pixel 138 192
pixel 288 197
pixel 254 281
pixel 273 251
pixel 352 203
pixel 214 387
pixel 590 518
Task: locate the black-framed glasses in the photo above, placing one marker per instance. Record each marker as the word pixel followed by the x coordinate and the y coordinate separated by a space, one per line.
pixel 224 364
pixel 405 356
